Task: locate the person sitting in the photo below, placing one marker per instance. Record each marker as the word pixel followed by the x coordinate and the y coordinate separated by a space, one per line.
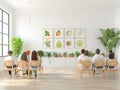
pixel 82 55
pixel 80 59
pixel 35 58
pixel 86 57
pixel 9 58
pixel 24 57
pixel 111 57
pixel 28 54
pixel 96 57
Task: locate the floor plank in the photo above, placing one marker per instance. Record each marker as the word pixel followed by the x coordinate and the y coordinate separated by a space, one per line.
pixel 58 79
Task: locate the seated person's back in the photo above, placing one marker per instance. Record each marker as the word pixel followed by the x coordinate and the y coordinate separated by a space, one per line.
pixel 96 57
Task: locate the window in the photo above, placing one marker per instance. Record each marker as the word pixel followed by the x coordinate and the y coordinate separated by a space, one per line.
pixel 4 32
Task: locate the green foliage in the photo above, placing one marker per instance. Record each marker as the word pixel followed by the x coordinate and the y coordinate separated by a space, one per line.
pixel 16 45
pixel 109 38
pixel 77 53
pixel 91 54
pixel 103 54
pixel 65 54
pixel 48 54
pixel 41 53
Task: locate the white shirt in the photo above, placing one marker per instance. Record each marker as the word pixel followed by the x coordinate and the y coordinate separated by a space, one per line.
pixel 80 57
pixel 9 58
pixel 85 58
pixel 97 57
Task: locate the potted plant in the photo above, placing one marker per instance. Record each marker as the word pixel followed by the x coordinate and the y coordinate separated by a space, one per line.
pixel 91 54
pixel 71 55
pixel 16 45
pixel 55 54
pixel 77 53
pixel 65 54
pixel 49 54
pixel 59 55
pixel 41 54
pixel 109 38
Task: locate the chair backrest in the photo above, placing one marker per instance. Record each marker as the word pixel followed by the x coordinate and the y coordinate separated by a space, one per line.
pixel 8 63
pixel 80 61
pixel 112 63
pixel 34 63
pixel 86 63
pixel 99 63
pixel 22 63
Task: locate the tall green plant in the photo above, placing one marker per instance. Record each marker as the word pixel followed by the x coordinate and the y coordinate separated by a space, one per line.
pixel 16 45
pixel 109 38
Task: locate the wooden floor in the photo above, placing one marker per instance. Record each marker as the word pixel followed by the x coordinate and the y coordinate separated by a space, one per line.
pixel 58 79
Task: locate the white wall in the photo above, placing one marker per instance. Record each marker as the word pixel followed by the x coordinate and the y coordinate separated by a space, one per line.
pixel 117 25
pixel 117 17
pixel 10 10
pixel 29 24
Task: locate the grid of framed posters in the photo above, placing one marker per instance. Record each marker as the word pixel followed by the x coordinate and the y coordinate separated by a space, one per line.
pixel 64 38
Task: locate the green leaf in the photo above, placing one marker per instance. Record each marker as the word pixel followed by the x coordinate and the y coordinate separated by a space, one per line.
pixel 109 38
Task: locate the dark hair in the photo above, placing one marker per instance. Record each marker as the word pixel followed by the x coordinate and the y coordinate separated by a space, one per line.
pixel 24 56
pixel 82 51
pixel 86 52
pixel 10 52
pixel 97 51
pixel 38 52
pixel 111 55
pixel 34 55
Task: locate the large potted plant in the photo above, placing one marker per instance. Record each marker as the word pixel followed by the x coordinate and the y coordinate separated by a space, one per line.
pixel 109 38
pixel 16 45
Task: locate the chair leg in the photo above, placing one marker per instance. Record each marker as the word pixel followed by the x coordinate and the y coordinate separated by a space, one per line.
pixel 3 74
pixel 81 73
pixel 42 69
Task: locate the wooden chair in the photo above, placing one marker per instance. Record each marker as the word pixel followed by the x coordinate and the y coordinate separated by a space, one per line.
pixel 34 63
pixel 22 66
pixel 79 64
pixel 114 64
pixel 8 66
pixel 86 66
pixel 100 67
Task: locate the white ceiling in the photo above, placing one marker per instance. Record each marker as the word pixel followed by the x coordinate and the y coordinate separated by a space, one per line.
pixel 37 4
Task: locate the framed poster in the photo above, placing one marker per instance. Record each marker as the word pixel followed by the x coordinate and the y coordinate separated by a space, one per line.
pixel 80 43
pixel 69 43
pixel 80 33
pixel 48 33
pixel 60 38
pixel 48 43
pixel 58 43
pixel 58 33
pixel 69 33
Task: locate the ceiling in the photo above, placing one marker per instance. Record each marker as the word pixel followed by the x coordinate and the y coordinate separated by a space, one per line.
pixel 37 4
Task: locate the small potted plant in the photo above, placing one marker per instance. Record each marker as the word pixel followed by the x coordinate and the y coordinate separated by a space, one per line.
pixel 65 54
pixel 77 53
pixel 71 55
pixel 91 54
pixel 55 54
pixel 59 55
pixel 41 54
pixel 49 54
